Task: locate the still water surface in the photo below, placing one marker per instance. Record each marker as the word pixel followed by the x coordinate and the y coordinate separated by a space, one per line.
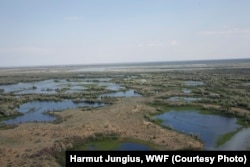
pixel 35 111
pixel 208 127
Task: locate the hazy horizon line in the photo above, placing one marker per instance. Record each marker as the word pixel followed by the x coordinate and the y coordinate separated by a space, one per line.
pixel 122 63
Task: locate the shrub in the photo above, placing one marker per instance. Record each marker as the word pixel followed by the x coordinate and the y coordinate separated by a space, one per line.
pixel 170 127
pixel 196 136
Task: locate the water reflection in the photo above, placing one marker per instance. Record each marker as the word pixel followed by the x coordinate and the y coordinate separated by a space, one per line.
pixel 185 99
pixel 35 111
pixel 209 127
pixel 186 91
pixel 193 83
pixel 52 86
pixel 128 93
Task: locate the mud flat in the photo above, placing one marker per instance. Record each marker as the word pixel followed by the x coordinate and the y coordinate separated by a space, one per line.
pixel 133 93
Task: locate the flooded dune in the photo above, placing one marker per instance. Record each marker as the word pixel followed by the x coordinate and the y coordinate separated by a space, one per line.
pixel 36 111
pixel 52 86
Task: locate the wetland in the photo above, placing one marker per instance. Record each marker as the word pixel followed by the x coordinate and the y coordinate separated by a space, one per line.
pixel 151 106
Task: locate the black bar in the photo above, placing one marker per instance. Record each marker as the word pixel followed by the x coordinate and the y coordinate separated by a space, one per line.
pixel 159 158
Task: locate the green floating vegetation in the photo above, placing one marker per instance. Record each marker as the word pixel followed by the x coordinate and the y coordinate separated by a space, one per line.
pixel 4 118
pixel 226 137
pixel 100 141
pixel 243 122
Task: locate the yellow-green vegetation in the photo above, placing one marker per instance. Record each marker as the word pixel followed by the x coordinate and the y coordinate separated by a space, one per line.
pixel 95 87
pixel 3 118
pixel 225 137
pixel 243 122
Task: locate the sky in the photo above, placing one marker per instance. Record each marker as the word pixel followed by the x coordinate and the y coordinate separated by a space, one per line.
pixel 58 32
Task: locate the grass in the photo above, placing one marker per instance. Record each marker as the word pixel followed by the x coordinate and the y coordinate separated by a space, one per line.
pixel 225 137
pixel 94 86
pixel 4 118
pixel 151 118
pixel 241 121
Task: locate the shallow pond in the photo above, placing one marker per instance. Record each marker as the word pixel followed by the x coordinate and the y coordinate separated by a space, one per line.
pixel 51 86
pixel 193 83
pixel 186 91
pixel 246 84
pixel 208 127
pixel 184 99
pixel 35 111
pixel 128 93
pixel 132 146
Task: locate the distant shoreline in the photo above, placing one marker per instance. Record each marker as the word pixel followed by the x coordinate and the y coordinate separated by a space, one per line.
pixel 153 63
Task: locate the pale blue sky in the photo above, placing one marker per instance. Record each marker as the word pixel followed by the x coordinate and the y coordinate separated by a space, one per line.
pixel 51 32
